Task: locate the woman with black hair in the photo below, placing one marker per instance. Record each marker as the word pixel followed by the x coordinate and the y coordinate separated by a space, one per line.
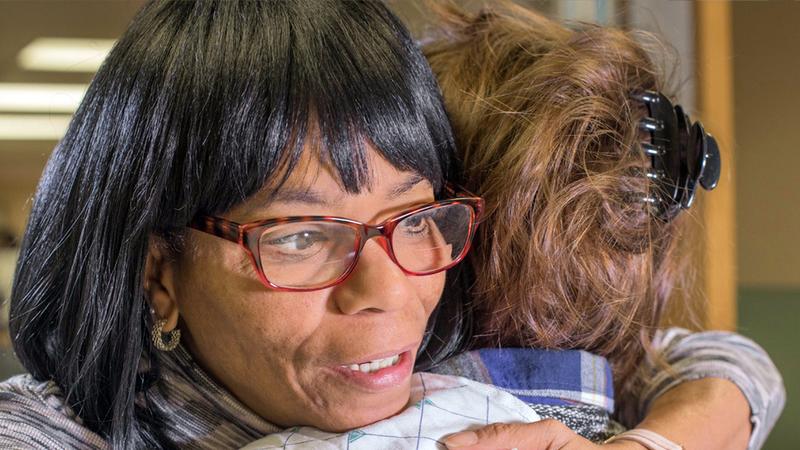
pixel 206 119
pixel 198 269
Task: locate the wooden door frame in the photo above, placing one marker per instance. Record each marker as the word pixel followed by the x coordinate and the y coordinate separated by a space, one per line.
pixel 714 41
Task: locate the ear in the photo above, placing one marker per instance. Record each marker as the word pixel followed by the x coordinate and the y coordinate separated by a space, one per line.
pixel 160 283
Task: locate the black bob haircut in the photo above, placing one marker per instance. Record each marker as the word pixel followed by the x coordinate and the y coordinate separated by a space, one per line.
pixel 197 107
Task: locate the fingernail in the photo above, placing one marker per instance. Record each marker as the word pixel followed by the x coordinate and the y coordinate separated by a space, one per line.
pixel 461 439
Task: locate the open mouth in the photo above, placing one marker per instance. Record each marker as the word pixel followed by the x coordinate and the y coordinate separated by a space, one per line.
pixel 379 374
pixel 374 365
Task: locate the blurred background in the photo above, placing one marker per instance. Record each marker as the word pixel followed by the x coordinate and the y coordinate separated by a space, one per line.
pixel 735 68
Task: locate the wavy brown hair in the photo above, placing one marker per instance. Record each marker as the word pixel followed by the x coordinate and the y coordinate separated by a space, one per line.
pixel 569 256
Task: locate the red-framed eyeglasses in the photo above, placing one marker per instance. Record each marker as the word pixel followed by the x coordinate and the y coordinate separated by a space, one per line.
pixel 307 253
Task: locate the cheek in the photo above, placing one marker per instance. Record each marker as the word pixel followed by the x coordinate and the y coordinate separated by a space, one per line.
pixel 429 289
pixel 230 317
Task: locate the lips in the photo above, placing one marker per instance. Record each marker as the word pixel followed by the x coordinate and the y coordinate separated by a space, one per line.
pixel 376 378
pixel 379 356
pixel 374 365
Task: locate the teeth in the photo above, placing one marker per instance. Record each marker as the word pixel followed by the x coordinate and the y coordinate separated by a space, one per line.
pixel 372 366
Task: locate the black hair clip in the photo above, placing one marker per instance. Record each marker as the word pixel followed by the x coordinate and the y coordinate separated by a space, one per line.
pixel 681 152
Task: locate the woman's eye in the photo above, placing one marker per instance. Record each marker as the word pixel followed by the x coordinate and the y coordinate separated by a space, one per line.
pixel 298 242
pixel 415 224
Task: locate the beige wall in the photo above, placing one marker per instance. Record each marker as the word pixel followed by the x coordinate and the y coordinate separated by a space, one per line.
pixel 14 208
pixel 767 111
pixel 21 164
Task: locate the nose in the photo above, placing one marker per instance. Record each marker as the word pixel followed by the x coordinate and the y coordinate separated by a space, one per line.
pixel 376 284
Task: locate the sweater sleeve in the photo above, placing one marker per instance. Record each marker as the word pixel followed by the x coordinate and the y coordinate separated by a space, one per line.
pixel 33 415
pixel 695 355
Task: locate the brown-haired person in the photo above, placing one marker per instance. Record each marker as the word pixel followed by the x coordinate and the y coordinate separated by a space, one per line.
pixel 578 249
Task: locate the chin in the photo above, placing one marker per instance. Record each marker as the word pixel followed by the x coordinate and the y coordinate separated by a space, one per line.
pixel 346 418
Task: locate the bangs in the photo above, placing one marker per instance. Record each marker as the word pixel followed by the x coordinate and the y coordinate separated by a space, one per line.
pixel 245 86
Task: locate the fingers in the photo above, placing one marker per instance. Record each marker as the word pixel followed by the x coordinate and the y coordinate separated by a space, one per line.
pixel 546 434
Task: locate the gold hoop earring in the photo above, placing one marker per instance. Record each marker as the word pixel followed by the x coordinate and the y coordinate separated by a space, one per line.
pixel 158 337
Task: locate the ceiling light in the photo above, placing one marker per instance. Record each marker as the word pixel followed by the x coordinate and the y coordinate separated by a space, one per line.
pixel 64 54
pixel 49 98
pixel 38 127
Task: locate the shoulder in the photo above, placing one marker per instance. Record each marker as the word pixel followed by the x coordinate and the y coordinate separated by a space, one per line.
pixel 33 414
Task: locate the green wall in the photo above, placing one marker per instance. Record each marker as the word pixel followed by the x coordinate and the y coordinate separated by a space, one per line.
pixel 771 317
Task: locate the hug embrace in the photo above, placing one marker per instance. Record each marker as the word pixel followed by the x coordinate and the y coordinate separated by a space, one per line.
pixel 284 224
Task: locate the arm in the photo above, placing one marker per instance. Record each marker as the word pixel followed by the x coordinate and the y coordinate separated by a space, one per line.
pixel 711 413
pixel 721 392
pixel 719 388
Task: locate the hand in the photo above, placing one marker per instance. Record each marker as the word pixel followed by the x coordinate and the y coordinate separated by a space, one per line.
pixel 548 434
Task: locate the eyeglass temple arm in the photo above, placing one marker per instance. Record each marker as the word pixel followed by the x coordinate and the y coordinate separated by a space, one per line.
pixel 455 190
pixel 217 226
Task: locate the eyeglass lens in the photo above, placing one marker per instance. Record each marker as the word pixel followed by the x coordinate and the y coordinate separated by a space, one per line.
pixel 313 253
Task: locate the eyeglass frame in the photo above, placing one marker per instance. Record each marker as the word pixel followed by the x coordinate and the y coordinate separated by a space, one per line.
pixel 247 235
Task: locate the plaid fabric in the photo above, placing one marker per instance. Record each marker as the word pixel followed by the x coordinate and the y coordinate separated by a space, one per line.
pixel 546 377
pixel 572 386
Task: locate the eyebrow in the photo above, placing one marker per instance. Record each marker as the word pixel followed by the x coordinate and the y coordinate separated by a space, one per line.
pixel 405 186
pixel 312 197
pixel 307 196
